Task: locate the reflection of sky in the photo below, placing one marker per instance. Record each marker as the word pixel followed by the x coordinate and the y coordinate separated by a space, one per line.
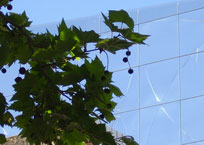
pixel 163 101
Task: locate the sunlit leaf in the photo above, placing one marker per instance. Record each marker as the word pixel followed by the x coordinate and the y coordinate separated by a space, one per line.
pixel 134 37
pixel 114 44
pixel 86 36
pixel 121 16
pixel 115 90
pixel 8 118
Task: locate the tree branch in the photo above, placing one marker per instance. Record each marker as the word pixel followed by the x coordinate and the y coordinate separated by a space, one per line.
pixel 94 114
pixel 63 94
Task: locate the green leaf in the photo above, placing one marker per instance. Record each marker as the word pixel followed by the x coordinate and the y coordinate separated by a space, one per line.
pixel 95 69
pixel 2 139
pixel 86 36
pixel 4 51
pixel 43 40
pixel 121 16
pixel 104 137
pixel 134 37
pixel 74 138
pixel 8 118
pixel 108 115
pixel 44 54
pixel 128 140
pixel 72 75
pixel 27 105
pixel 67 40
pixel 110 24
pixel 19 19
pixel 37 131
pixel 2 104
pixel 25 18
pixel 118 16
pixel 115 90
pixel 24 53
pixel 3 2
pixel 137 38
pixel 114 44
pixel 62 26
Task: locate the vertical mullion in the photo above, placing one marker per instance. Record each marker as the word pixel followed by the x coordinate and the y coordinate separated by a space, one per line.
pixel 179 74
pixel 99 25
pixel 139 107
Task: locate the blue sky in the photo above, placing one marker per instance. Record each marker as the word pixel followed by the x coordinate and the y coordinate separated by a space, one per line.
pixel 44 11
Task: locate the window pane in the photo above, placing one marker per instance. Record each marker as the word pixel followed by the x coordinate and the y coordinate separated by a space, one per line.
pixel 192 32
pixel 160 125
pixel 159 83
pixel 192 79
pixel 163 41
pixel 192 120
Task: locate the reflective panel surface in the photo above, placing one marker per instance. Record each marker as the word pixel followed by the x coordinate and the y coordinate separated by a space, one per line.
pixel 160 125
pixel 159 83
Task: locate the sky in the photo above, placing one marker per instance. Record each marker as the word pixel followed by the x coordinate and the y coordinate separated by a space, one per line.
pixel 45 11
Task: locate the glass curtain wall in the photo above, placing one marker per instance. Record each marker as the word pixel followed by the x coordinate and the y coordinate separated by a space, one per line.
pixel 164 98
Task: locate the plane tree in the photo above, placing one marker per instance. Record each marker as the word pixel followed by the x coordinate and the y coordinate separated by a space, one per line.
pixel 65 96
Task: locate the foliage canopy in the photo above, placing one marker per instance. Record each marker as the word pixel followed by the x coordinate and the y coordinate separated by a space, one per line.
pixel 60 100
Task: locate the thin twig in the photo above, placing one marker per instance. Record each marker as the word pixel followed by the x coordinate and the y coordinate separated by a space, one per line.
pixel 107 59
pixel 92 50
pixel 93 113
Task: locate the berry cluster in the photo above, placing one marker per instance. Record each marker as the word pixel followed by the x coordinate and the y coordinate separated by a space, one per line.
pixel 103 78
pixel 125 60
pixel 22 71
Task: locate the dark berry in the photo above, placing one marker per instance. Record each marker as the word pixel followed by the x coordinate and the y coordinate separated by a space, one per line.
pixel 22 70
pixel 9 7
pixel 18 79
pixel 103 78
pixel 73 58
pixel 130 71
pixel 3 70
pixel 106 72
pixel 102 116
pixel 107 91
pixel 109 106
pixel 125 59
pixel 128 53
